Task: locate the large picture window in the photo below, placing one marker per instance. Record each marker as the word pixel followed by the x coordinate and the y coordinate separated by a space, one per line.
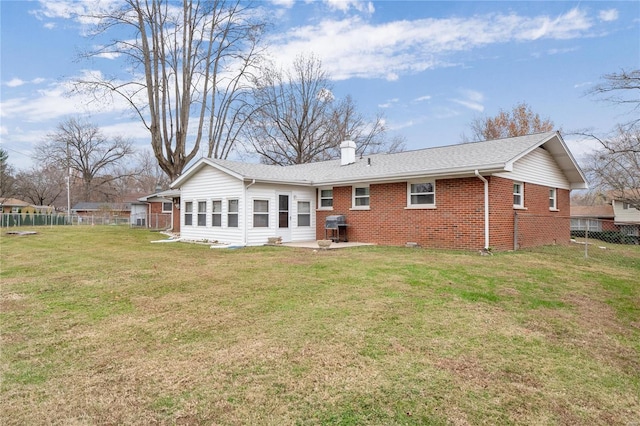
pixel 216 213
pixel 188 213
pixel 232 214
pixel 422 194
pixel 304 213
pixel 202 213
pixel 261 213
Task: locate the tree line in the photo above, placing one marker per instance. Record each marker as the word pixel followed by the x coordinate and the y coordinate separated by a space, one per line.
pixel 199 81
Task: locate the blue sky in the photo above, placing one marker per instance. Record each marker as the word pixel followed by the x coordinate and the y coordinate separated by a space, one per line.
pixel 430 67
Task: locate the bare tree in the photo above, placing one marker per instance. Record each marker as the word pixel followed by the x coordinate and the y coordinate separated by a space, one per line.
pixel 621 88
pixel 44 186
pixel 616 166
pixel 85 150
pixel 7 180
pixel 520 121
pixel 298 120
pixel 197 60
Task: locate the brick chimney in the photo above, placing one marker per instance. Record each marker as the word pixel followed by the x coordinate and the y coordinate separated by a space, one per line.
pixel 347 152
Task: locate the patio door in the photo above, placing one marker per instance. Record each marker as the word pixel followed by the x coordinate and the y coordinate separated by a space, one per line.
pixel 284 216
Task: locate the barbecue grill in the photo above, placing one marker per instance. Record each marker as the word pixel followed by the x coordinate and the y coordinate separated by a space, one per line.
pixel 335 226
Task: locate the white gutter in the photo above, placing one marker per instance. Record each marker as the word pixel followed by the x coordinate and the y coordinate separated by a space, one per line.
pixel 245 208
pixel 486 209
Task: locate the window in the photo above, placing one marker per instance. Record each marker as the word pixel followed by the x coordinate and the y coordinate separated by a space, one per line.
pixel 261 213
pixel 232 214
pixel 166 207
pixel 188 213
pixel 216 213
pixel 361 197
pixel 326 198
pixel 304 213
pixel 518 194
pixel 553 205
pixel 422 194
pixel 625 206
pixel 202 213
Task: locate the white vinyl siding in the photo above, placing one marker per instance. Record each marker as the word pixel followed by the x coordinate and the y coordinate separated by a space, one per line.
pixel 540 168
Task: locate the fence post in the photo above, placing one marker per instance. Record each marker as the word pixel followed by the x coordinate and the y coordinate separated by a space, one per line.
pixel 586 240
pixel 515 231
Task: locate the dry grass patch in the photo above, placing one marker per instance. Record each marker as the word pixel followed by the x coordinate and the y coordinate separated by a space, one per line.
pixel 101 327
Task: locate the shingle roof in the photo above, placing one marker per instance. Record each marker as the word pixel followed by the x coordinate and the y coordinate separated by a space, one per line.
pixel 488 156
pixel 604 211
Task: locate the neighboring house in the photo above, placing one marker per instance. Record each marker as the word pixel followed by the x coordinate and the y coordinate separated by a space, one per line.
pixel 627 218
pixel 462 196
pixel 12 205
pixel 593 218
pixel 159 210
pixel 102 211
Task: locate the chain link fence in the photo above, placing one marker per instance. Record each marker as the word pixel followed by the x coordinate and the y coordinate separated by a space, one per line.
pixel 154 221
pixel 590 236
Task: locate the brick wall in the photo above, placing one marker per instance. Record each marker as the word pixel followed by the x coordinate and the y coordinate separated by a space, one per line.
pixel 456 223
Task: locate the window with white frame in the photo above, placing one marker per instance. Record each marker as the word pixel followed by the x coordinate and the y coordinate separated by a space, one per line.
pixel 422 194
pixel 216 213
pixel 260 213
pixel 518 194
pixel 202 213
pixel 232 214
pixel 553 202
pixel 325 198
pixel 361 197
pixel 188 213
pixel 167 207
pixel 304 213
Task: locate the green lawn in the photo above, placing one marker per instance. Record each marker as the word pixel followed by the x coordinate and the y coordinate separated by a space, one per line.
pixel 101 327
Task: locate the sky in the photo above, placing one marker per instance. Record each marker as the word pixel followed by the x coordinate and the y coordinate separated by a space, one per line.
pixel 430 67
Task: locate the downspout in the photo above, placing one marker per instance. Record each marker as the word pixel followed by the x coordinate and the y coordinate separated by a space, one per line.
pixel 245 208
pixel 486 209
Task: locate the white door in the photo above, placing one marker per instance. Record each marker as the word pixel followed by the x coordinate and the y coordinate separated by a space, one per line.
pixel 284 216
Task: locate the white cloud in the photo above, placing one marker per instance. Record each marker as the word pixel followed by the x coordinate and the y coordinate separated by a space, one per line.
pixel 3 130
pixel 389 103
pixel 608 15
pixel 422 98
pixel 354 47
pixel 284 3
pixel 15 82
pixel 346 5
pixel 472 99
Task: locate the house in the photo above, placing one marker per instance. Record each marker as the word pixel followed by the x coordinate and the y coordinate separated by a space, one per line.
pixel 593 218
pixel 626 217
pixel 615 216
pixel 158 210
pixel 102 212
pixel 502 194
pixel 12 205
